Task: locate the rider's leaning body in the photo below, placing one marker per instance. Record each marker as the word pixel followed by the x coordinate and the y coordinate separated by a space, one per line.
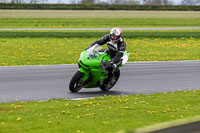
pixel 115 43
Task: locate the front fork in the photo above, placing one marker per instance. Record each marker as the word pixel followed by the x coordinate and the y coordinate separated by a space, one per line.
pixel 86 76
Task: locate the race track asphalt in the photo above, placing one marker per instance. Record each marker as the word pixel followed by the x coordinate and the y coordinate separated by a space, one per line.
pixel 27 83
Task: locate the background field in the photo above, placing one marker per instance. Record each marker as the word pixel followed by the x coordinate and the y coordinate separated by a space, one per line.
pixel 58 19
pixel 98 14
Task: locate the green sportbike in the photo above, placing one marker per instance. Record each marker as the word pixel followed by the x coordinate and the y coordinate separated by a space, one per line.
pixel 92 73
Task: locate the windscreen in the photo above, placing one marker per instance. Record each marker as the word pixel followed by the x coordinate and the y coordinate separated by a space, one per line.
pixel 93 51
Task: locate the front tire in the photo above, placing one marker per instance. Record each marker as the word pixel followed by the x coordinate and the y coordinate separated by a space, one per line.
pixel 110 81
pixel 76 82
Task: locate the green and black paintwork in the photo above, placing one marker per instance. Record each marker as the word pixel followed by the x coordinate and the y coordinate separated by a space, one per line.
pixel 91 74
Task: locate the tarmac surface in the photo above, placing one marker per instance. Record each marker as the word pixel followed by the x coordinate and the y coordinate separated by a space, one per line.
pixel 44 82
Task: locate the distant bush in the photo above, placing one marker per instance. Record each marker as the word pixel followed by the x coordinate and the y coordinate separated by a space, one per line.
pixel 99 7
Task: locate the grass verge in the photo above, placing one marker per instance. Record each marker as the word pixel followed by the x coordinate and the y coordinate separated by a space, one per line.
pixel 99 34
pixel 100 114
pixel 32 50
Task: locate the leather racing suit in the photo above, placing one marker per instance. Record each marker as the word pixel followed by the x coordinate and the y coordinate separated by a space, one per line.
pixel 115 48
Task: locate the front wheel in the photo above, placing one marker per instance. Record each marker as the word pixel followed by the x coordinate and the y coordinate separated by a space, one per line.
pixel 76 82
pixel 110 81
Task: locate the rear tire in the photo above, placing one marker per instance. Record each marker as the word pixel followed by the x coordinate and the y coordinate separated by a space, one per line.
pixel 76 82
pixel 110 81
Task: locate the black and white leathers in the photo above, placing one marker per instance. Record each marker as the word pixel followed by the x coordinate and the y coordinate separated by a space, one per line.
pixel 115 48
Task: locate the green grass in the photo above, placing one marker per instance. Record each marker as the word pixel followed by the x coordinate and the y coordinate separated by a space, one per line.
pixel 94 23
pixel 43 51
pixel 106 114
pixel 99 34
pixel 89 19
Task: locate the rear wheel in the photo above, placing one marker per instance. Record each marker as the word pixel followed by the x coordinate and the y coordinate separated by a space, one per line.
pixel 110 81
pixel 76 82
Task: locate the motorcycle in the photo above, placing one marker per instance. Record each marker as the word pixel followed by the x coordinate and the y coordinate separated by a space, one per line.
pixel 92 73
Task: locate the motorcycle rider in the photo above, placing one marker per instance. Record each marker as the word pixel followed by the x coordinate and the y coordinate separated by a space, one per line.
pixel 116 47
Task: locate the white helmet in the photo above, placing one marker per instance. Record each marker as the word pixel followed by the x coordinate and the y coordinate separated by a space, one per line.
pixel 115 34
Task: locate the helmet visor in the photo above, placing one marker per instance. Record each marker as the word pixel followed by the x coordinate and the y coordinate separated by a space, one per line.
pixel 114 37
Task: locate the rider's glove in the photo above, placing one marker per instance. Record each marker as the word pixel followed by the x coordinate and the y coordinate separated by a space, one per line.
pixel 87 48
pixel 107 64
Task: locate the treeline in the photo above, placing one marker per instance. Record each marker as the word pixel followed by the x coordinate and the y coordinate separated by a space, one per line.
pixel 121 2
pixel 99 7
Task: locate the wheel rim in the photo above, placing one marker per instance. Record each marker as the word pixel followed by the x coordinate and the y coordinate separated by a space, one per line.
pixel 111 83
pixel 78 85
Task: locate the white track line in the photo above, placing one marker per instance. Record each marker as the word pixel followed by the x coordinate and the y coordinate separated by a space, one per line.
pixel 163 28
pixel 138 62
